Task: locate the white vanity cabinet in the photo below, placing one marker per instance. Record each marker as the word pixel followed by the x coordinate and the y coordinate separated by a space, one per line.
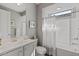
pixel 29 49
pixel 15 52
pixel 24 49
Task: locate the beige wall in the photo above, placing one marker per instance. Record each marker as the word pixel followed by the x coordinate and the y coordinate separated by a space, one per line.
pixel 39 20
pixel 30 16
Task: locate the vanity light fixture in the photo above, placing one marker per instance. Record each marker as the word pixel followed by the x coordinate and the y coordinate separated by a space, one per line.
pixel 62 13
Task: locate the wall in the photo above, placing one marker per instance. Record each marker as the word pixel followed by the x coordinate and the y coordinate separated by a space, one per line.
pixel 39 20
pixel 30 16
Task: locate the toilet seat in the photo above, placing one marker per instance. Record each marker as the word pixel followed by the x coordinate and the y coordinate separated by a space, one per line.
pixel 41 50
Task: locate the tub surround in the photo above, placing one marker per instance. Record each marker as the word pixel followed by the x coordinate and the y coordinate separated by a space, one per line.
pixel 72 48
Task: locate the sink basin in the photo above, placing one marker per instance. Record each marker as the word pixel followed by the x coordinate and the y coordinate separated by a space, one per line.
pixel 14 41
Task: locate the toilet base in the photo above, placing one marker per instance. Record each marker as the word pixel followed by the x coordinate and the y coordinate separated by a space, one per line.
pixel 36 54
pixel 40 51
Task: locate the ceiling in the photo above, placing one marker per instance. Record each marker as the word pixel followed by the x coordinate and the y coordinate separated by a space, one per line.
pixel 37 3
pixel 14 6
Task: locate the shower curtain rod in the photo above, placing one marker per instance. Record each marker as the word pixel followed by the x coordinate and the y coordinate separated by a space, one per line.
pixel 60 12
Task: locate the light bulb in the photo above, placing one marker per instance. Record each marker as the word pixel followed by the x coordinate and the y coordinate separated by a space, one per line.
pixel 19 4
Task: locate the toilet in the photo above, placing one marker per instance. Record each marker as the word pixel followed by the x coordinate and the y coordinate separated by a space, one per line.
pixel 40 51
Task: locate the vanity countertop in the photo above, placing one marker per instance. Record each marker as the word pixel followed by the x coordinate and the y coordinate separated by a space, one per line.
pixel 13 45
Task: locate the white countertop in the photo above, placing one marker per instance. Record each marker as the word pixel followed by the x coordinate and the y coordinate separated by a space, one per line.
pixel 13 45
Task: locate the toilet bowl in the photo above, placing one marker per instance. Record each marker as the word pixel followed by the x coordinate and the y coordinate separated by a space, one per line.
pixel 40 51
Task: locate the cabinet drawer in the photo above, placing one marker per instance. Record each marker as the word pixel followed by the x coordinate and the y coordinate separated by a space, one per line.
pixel 16 52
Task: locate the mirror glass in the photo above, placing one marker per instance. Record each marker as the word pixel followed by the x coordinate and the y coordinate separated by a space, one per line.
pixel 18 24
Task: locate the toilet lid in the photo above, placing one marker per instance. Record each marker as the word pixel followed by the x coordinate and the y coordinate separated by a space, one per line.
pixel 41 50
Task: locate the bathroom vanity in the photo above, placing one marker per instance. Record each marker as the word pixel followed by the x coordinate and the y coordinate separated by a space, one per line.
pixel 19 48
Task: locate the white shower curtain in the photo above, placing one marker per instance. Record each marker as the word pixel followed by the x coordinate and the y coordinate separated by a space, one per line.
pixel 48 34
pixel 56 31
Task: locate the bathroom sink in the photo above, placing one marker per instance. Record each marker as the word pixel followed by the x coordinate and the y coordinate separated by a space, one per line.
pixel 18 40
pixel 15 41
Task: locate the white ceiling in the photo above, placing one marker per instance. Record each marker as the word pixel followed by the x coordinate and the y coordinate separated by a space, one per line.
pixel 14 6
pixel 37 3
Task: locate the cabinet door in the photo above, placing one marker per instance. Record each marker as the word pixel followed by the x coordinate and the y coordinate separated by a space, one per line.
pixel 28 49
pixel 20 51
pixel 4 23
pixel 16 52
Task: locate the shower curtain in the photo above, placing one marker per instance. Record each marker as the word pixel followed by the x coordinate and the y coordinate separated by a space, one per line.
pixel 48 29
pixel 56 32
